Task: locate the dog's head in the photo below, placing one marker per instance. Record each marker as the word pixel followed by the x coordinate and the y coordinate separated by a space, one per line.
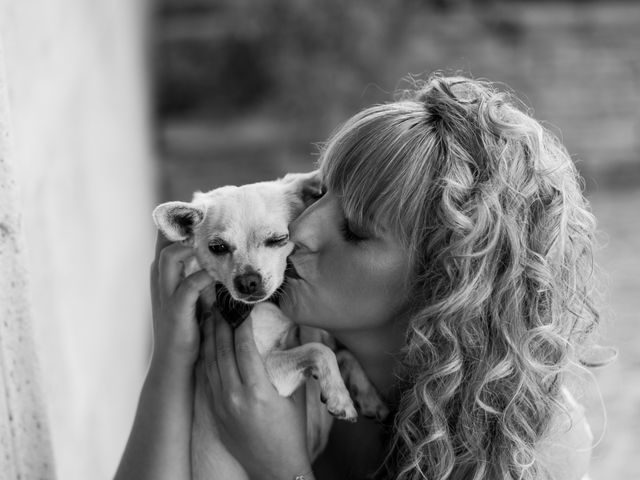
pixel 240 234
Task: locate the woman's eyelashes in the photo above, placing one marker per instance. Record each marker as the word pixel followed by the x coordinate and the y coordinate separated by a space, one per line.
pixel 319 194
pixel 349 235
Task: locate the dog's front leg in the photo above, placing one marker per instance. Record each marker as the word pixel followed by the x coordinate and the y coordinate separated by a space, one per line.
pixel 288 369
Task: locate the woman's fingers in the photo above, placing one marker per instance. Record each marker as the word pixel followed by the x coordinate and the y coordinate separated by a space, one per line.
pixel 209 353
pixel 161 242
pixel 155 294
pixel 187 293
pixel 250 365
pixel 171 267
pixel 225 355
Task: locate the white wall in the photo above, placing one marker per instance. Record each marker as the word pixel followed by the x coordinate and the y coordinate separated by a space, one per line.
pixel 77 95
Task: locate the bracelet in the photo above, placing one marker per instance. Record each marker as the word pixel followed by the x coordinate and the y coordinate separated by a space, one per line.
pixel 304 476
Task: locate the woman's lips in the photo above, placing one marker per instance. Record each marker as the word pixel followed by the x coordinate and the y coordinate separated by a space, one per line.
pixel 290 271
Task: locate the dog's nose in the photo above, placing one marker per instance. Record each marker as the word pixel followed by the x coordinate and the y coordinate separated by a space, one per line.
pixel 248 284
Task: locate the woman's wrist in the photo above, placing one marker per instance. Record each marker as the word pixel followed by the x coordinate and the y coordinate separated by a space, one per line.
pixel 293 472
pixel 308 475
pixel 170 369
pixel 303 472
pixel 169 352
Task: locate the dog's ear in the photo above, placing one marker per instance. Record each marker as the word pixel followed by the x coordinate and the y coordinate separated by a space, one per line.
pixel 306 186
pixel 176 220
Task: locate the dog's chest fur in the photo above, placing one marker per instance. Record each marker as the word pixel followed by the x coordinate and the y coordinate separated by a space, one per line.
pixel 270 328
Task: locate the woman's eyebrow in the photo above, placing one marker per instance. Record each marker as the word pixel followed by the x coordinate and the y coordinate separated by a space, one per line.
pixel 367 227
pixel 349 219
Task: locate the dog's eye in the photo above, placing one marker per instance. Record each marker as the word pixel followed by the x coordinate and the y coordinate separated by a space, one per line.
pixel 277 241
pixel 218 248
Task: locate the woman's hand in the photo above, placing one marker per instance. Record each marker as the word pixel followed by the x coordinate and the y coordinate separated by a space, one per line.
pixel 265 432
pixel 173 301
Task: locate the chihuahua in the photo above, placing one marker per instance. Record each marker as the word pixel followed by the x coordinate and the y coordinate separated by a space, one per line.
pixel 240 237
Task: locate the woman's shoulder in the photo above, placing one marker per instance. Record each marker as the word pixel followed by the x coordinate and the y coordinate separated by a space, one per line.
pixel 567 449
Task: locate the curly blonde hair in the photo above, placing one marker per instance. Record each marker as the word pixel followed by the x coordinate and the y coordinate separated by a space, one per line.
pixel 490 206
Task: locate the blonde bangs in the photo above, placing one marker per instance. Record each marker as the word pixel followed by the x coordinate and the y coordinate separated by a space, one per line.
pixel 367 164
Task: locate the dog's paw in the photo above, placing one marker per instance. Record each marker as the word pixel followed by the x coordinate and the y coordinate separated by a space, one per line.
pixel 380 412
pixel 368 402
pixel 341 406
pixel 364 394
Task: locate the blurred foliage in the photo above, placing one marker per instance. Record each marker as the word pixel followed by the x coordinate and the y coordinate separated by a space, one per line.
pixel 221 58
pixel 280 74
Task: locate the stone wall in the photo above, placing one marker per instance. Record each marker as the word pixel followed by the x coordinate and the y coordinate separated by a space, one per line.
pixel 25 444
pixel 76 76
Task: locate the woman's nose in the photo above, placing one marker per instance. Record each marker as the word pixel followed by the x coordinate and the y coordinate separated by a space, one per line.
pixel 299 230
pixel 305 231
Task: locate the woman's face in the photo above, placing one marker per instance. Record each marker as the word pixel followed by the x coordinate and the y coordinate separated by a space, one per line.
pixel 346 279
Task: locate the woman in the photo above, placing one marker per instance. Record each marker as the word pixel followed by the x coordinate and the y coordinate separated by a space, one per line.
pixel 451 254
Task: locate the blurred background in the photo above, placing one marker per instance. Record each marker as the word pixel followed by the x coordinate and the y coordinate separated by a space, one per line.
pixel 119 106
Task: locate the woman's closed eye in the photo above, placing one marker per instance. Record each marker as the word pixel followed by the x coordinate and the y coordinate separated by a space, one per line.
pixel 349 235
pixel 315 195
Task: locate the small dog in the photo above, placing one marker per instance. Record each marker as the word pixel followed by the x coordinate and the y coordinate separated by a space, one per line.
pixel 240 237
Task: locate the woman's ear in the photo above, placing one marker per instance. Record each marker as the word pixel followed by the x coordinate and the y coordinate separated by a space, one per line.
pixel 176 220
pixel 306 186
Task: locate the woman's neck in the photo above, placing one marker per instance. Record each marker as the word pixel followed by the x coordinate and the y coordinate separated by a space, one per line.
pixel 377 350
